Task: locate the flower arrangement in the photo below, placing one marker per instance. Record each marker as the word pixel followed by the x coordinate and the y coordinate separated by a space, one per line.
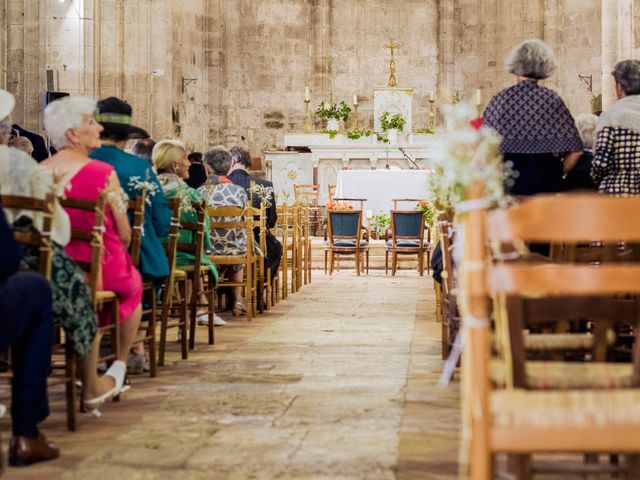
pixel 429 212
pixel 333 111
pixel 392 122
pixel 468 152
pixel 340 206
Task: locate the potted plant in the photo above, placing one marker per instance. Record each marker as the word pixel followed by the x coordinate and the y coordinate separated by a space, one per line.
pixel 391 124
pixel 333 113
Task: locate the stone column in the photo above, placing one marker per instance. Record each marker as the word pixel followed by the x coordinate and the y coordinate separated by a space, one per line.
pixel 4 34
pixel 446 46
pixel 321 47
pixel 617 42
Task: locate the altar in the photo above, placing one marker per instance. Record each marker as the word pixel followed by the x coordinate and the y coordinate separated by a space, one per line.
pixel 380 187
pixel 317 158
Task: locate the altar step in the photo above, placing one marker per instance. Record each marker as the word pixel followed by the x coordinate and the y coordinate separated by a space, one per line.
pixel 376 257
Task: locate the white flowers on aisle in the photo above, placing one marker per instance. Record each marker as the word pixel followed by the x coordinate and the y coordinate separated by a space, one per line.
pixel 466 153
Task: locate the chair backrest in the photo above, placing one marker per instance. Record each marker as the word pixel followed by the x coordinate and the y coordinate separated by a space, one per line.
pixel 136 211
pixel 544 218
pixel 242 219
pixel 171 244
pixel 38 238
pixel 196 230
pixel 306 194
pixel 94 238
pixel 407 225
pixel 331 191
pixel 414 201
pixel 351 201
pixel 344 225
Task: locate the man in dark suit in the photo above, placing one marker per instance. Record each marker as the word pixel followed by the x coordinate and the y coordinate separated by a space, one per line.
pixel 238 174
pixel 26 322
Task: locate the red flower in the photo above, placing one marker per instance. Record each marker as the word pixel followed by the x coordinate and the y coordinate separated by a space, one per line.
pixel 476 123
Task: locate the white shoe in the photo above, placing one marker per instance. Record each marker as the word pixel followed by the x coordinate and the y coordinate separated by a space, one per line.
pixel 203 319
pixel 117 371
pixel 218 321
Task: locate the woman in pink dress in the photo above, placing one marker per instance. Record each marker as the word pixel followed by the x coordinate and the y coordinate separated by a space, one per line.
pixel 74 132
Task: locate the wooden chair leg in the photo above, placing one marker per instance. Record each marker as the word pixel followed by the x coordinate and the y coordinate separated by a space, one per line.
pixel 358 261
pixel 326 253
pixel 421 263
pixel 367 256
pixel 331 260
pixel 70 387
pixel 386 262
pixel 151 334
pixel 633 467
pixel 183 319
pixel 211 312
pixel 394 261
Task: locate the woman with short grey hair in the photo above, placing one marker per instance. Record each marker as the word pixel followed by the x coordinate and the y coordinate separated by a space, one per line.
pixel 539 136
pixel 616 164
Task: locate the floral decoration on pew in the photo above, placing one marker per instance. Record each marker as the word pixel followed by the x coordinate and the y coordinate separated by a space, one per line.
pixel 468 152
pixel 340 206
pixel 429 211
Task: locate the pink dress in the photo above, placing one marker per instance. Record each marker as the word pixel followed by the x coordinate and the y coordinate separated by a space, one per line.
pixel 118 273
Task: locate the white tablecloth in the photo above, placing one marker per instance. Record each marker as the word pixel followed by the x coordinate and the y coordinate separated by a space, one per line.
pixel 379 187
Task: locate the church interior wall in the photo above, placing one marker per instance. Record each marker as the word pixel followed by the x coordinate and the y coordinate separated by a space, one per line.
pixel 214 71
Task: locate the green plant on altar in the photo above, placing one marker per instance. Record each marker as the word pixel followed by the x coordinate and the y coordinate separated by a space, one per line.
pixel 357 134
pixel 380 222
pixel 382 139
pixel 429 212
pixel 332 133
pixel 339 111
pixel 427 130
pixel 391 122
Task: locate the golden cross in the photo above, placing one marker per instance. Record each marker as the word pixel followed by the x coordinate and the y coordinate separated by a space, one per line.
pixel 392 45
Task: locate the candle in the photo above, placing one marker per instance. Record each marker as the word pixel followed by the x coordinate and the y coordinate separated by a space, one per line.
pixel 432 97
pixel 478 97
pixel 307 96
pixel 369 214
pixel 355 99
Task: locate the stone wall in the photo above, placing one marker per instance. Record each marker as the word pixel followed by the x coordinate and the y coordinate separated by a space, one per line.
pixel 215 71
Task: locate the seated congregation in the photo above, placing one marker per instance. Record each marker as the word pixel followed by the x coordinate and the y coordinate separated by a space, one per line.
pixel 537 278
pixel 104 251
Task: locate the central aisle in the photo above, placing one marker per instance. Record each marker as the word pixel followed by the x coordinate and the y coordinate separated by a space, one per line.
pixel 327 385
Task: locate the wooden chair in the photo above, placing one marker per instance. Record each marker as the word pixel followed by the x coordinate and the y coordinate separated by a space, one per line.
pixel 308 196
pixel 63 356
pixel 518 421
pixel 285 233
pixel 244 221
pixel 360 206
pixel 264 297
pixel 174 291
pixel 331 191
pixel 407 237
pixel 149 301
pixel 345 237
pixel 198 274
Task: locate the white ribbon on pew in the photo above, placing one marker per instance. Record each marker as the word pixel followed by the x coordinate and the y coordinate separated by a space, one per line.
pixel 458 345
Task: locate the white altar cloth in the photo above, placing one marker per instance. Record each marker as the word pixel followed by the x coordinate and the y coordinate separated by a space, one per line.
pixel 379 187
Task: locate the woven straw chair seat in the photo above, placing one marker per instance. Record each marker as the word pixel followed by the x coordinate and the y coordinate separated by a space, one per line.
pixel 180 274
pixel 102 295
pixel 518 408
pixel 569 375
pixel 563 341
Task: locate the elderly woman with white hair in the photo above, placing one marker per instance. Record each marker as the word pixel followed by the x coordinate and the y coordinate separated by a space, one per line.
pixel 170 158
pixel 74 132
pixel 537 129
pixel 616 164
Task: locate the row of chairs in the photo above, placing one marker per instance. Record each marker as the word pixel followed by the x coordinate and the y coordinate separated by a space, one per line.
pixel 551 363
pixel 174 307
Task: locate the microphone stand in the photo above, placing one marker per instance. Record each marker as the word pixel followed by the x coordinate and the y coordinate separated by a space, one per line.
pixel 415 165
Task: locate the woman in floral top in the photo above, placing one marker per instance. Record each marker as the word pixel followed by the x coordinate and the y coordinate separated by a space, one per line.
pixel 170 158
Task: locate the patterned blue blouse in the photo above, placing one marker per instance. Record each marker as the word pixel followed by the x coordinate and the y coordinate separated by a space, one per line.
pixel 532 119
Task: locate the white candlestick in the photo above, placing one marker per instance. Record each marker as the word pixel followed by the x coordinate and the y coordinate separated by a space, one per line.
pixel 369 214
pixel 307 95
pixel 355 99
pixel 478 97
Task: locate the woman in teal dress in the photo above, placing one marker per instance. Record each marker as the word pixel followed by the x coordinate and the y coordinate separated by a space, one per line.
pixel 170 158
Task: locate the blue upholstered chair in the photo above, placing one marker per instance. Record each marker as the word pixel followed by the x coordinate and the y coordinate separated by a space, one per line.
pixel 345 237
pixel 407 238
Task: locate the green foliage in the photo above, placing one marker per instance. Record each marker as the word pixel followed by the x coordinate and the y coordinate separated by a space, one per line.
pixel 388 121
pixel 430 131
pixel 382 139
pixel 356 134
pixel 380 222
pixel 336 111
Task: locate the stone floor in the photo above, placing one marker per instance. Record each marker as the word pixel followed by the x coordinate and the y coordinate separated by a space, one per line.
pixel 336 382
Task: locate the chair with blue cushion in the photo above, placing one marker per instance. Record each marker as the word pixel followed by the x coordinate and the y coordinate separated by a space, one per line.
pixel 407 237
pixel 345 237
